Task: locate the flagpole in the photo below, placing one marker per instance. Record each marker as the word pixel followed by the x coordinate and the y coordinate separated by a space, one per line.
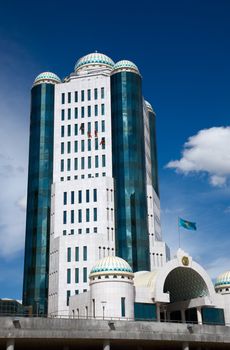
pixel 178 227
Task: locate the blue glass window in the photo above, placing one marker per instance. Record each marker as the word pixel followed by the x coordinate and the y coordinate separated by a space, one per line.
pixel 89 162
pixel 82 145
pixel 68 164
pixel 82 163
pixel 89 144
pixel 64 217
pixel 76 129
pixel 72 216
pixel 62 147
pixel 122 307
pixel 76 253
pixel 69 97
pixel 69 113
pixel 96 144
pixel 102 92
pixel 68 147
pixel 102 125
pixel 75 146
pixel 87 196
pixel 83 112
pixel 62 114
pixel 67 297
pixel 75 112
pixel 68 276
pixel 69 130
pixel 77 275
pixel 75 164
pixel 68 254
pixel 80 196
pixel 85 253
pixel 95 94
pixel 96 162
pixel 102 109
pixel 62 131
pixel 76 96
pixel 89 111
pixel 62 164
pixel 64 198
pixel 95 195
pixel 94 214
pixel 72 197
pixel 82 95
pixel 84 274
pixel 96 110
pixel 63 98
pixel 103 160
pixel 89 94
pixel 87 215
pixel 79 215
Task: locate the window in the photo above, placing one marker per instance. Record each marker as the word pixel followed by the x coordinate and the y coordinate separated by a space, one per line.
pixel 82 128
pixel 68 275
pixel 82 163
pixel 94 214
pixel 68 164
pixel 96 162
pixel 62 147
pixel 87 196
pixel 62 114
pixel 102 109
pixel 69 113
pixel 75 146
pixel 75 112
pixel 102 125
pixel 67 297
pixel 69 254
pixel 76 129
pixel 79 231
pixel 69 97
pixel 80 196
pixel 122 307
pixel 72 216
pixel 89 111
pixel 64 232
pixel 102 143
pixel 89 95
pixel 95 195
pixel 64 217
pixel 72 231
pixel 82 145
pixel 62 164
pixel 96 144
pixel 96 127
pixel 84 274
pixel 72 197
pixel 68 147
pixel 77 275
pixel 76 253
pixel 87 230
pixel 76 96
pixel 76 291
pixel 79 215
pixel 96 110
pixel 89 129
pixel 89 162
pixel 64 198
pixel 103 160
pixel 89 144
pixel 69 130
pixel 62 131
pixel 84 253
pixel 95 229
pixel 75 164
pixel 102 92
pixel 83 112
pixel 63 98
pixel 87 215
pixel 95 94
pixel 82 95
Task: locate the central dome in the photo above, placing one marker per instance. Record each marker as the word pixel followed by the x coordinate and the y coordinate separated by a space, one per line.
pixel 94 59
pixel 111 264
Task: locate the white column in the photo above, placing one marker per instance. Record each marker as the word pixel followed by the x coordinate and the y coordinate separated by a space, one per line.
pixel 185 346
pixel 183 316
pixel 158 312
pixel 10 344
pixel 199 315
pixel 106 345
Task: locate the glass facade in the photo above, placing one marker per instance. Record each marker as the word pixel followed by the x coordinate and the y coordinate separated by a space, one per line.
pixel 153 148
pixel 36 265
pixel 144 311
pixel 132 241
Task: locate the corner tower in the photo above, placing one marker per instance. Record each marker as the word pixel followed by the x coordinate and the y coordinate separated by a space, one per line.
pixel 36 264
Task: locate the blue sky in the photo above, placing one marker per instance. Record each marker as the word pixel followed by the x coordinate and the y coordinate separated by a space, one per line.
pixel 182 50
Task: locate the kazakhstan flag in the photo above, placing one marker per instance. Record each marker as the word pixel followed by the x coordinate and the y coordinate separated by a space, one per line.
pixel 187 224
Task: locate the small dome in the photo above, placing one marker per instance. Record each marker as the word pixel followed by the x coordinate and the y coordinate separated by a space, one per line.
pixel 223 280
pixel 94 59
pixel 47 77
pixel 148 105
pixel 111 264
pixel 125 66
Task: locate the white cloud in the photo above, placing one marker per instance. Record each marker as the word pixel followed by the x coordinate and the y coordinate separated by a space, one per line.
pixel 206 152
pixel 21 203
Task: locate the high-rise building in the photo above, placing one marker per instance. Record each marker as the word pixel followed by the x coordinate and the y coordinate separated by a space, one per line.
pixel 93 181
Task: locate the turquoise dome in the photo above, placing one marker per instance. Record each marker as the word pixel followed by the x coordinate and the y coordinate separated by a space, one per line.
pixel 47 77
pixel 125 65
pixel 96 58
pixel 223 280
pixel 111 264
